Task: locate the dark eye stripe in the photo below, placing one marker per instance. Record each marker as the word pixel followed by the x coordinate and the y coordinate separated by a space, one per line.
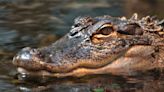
pixel 72 34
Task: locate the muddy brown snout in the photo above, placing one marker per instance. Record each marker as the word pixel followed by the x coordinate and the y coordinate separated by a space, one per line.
pixel 27 58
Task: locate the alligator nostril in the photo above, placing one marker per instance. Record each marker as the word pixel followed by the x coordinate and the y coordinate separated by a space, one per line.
pixel 28 58
pixel 22 57
pixel 24 54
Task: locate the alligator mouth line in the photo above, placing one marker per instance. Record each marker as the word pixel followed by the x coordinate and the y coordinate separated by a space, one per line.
pixel 78 72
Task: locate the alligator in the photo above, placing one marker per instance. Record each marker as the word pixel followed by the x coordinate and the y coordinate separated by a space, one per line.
pixel 99 45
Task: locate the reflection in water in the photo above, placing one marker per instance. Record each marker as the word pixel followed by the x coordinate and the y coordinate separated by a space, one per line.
pixel 38 23
pixel 107 83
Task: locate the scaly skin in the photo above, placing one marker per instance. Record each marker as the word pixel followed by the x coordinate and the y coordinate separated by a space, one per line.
pixel 100 45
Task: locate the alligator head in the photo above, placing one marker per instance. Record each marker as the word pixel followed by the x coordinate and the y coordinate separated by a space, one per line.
pixel 99 45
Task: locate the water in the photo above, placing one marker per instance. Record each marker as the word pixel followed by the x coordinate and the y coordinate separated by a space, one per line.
pixel 38 23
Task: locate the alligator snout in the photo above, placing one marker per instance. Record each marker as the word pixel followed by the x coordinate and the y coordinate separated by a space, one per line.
pixel 28 57
pixel 25 55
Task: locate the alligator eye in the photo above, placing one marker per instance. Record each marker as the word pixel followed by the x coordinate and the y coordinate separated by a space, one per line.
pixel 131 29
pixel 105 29
pixel 102 33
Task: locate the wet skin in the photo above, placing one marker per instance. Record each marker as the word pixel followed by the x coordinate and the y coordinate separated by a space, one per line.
pixel 100 45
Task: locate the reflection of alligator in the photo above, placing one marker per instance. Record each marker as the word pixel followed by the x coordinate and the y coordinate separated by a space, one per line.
pixel 99 45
